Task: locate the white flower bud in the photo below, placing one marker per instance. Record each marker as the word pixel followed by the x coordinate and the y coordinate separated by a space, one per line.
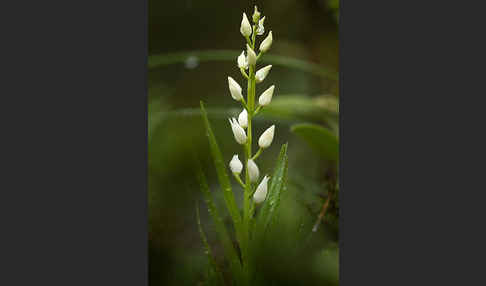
pixel 243 119
pixel 251 55
pixel 266 96
pixel 242 61
pixel 238 131
pixel 261 191
pixel 261 74
pixel 235 89
pixel 265 45
pixel 253 171
pixel 260 29
pixel 245 28
pixel 235 165
pixel 267 137
pixel 256 15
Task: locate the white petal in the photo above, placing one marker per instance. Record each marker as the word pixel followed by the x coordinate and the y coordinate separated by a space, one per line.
pixel 251 55
pixel 238 132
pixel 253 171
pixel 235 89
pixel 243 119
pixel 261 191
pixel 265 45
pixel 267 137
pixel 266 96
pixel 235 165
pixel 262 73
pixel 242 61
pixel 245 28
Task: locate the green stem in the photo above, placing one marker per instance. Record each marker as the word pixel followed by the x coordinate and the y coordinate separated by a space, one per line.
pixel 258 109
pixel 248 190
pixel 238 179
pixel 257 154
pixel 243 73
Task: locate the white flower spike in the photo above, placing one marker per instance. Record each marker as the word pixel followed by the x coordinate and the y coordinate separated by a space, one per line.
pixel 245 28
pixel 256 15
pixel 251 55
pixel 235 89
pixel 243 119
pixel 261 191
pixel 238 131
pixel 267 43
pixel 235 165
pixel 242 61
pixel 267 137
pixel 253 171
pixel 261 29
pixel 266 96
pixel 261 74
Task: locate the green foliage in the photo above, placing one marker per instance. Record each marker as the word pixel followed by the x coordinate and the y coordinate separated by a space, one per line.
pixel 320 139
pixel 222 174
pixel 219 224
pixel 215 276
pixel 301 107
pixel 156 61
pixel 269 210
pixel 305 72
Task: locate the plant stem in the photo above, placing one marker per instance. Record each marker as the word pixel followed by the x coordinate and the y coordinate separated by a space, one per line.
pixel 323 212
pixel 248 189
pixel 257 154
pixel 238 179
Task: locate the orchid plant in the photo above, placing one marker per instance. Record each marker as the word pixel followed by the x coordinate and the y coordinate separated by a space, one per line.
pixel 258 194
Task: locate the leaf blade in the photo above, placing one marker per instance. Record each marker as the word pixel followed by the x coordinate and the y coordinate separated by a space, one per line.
pixel 223 176
pixel 215 273
pixel 319 138
pixel 223 235
pixel 278 182
pixel 155 61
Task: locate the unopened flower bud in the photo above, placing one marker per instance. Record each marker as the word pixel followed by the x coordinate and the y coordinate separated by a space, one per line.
pixel 253 171
pixel 235 89
pixel 251 55
pixel 261 74
pixel 242 61
pixel 266 96
pixel 256 15
pixel 245 28
pixel 260 29
pixel 243 119
pixel 238 131
pixel 261 191
pixel 267 137
pixel 235 165
pixel 265 45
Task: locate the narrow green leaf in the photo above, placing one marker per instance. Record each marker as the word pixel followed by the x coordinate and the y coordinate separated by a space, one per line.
pixel 155 61
pixel 319 138
pixel 269 210
pixel 222 175
pixel 215 275
pixel 302 107
pixel 223 235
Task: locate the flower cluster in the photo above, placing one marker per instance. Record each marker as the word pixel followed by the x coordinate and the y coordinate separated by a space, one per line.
pixel 247 62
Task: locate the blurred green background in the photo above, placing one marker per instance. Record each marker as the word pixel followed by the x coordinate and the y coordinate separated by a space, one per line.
pixel 186 67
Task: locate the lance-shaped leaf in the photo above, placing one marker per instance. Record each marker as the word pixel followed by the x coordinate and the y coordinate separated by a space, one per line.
pixel 269 210
pixel 222 175
pixel 215 277
pixel 319 138
pixel 223 235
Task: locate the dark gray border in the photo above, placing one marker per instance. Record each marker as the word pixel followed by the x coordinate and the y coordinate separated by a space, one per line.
pixel 73 206
pixel 410 127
